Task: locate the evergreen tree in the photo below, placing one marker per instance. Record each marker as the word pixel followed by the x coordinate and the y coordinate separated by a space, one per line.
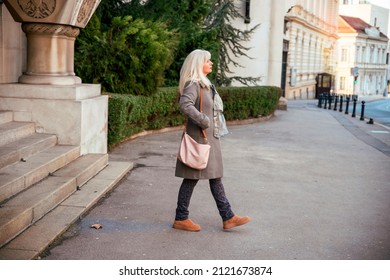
pixel 129 57
pixel 186 18
pixel 142 44
pixel 230 39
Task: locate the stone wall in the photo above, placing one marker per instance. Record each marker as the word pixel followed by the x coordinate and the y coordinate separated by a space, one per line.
pixel 12 48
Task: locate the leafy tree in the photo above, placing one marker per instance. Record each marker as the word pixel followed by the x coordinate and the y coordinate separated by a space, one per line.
pixel 186 18
pixel 130 57
pixel 230 40
pixel 137 46
pixel 202 24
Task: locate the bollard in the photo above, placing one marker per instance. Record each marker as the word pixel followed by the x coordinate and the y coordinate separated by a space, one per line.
pixel 354 108
pixel 341 104
pixel 335 102
pixel 325 100
pixel 320 101
pixel 362 113
pixel 346 107
pixel 330 101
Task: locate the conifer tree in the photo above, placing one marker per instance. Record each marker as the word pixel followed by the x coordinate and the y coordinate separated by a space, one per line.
pixel 231 41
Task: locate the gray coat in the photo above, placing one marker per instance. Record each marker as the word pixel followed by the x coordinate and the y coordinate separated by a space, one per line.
pixel 189 105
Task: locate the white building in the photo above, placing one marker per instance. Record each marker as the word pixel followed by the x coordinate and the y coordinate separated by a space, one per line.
pixel 295 43
pixel 372 14
pixel 375 16
pixel 266 42
pixel 311 31
pixel 364 47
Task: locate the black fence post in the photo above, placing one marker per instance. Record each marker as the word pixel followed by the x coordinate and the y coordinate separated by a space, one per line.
pixel 335 102
pixel 330 101
pixel 346 107
pixel 325 100
pixel 354 107
pixel 320 100
pixel 362 112
pixel 341 104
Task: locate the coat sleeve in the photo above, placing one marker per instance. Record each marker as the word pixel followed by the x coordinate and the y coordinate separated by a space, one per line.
pixel 188 108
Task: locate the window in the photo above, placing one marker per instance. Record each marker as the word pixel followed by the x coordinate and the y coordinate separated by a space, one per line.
pixel 342 83
pixel 357 57
pixel 344 54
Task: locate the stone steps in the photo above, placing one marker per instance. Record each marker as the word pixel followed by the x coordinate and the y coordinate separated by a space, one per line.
pixel 45 187
pixel 36 239
pixel 29 206
pixel 17 177
pixel 21 149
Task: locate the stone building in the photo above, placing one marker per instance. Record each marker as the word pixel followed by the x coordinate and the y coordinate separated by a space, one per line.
pixel 295 43
pixel 266 42
pixel 372 14
pixel 311 31
pixel 364 48
pixel 377 17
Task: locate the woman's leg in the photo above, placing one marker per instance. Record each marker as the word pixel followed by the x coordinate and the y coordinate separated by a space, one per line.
pixel 218 191
pixel 184 197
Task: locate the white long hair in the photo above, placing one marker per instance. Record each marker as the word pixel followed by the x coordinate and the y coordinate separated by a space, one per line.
pixel 192 69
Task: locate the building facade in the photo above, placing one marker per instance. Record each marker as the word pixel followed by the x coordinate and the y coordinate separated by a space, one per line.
pixel 378 18
pixel 362 50
pixel 311 35
pixel 372 14
pixel 266 42
pixel 296 41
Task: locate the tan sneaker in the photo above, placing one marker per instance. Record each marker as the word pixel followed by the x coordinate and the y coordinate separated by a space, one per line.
pixel 186 225
pixel 235 221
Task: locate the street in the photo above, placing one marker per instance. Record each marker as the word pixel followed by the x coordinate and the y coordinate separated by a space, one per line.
pixel 379 110
pixel 313 188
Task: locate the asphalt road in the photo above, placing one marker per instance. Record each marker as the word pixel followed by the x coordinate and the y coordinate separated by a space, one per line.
pixel 315 183
pixel 379 110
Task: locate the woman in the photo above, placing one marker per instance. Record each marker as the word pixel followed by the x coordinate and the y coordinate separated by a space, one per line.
pixel 192 79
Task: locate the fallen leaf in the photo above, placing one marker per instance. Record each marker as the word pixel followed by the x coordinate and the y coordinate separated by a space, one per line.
pixel 96 226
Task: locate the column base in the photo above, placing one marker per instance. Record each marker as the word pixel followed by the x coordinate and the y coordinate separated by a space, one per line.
pixel 49 80
pixel 77 114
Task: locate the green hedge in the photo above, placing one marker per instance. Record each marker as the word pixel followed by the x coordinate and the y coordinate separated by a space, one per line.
pixel 249 102
pixel 130 114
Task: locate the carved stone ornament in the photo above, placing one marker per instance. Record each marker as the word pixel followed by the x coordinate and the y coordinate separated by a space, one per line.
pixel 51 29
pixel 37 8
pixel 86 11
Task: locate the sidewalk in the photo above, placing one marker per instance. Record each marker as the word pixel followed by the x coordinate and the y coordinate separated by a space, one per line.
pixel 314 181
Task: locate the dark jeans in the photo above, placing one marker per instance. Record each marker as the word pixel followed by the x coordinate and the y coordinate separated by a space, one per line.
pixel 217 190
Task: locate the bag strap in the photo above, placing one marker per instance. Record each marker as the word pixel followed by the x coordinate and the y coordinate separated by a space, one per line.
pixel 200 110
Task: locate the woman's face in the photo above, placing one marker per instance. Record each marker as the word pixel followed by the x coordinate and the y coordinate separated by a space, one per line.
pixel 207 67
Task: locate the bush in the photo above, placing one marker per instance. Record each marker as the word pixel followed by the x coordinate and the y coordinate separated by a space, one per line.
pixel 249 102
pixel 130 57
pixel 130 114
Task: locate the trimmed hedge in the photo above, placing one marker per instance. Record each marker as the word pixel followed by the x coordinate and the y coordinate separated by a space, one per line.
pixel 249 102
pixel 130 114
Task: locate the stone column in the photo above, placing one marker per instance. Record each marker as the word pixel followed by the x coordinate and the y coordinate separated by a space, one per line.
pixel 50 54
pixel 49 93
pixel 51 28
